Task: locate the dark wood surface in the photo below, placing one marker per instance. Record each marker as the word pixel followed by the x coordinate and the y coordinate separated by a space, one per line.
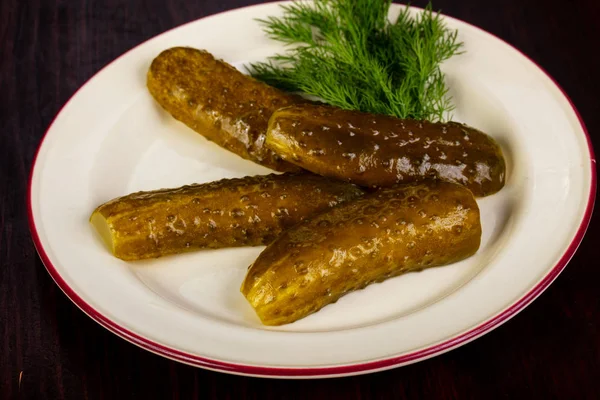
pixel 50 349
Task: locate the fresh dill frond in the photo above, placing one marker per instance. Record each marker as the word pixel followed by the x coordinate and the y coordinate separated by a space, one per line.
pixel 349 54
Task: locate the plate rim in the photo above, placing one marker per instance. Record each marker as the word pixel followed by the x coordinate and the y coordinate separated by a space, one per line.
pixel 326 371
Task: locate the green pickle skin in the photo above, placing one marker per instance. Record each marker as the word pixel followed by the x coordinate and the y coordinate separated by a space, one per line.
pixel 379 151
pixel 383 234
pixel 248 211
pixel 219 102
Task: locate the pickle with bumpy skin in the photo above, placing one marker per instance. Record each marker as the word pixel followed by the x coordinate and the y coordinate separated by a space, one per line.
pixel 386 233
pixel 218 101
pixel 248 211
pixel 378 150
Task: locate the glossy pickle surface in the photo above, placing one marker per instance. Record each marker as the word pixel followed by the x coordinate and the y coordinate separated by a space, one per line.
pixel 380 235
pixel 378 150
pixel 248 211
pixel 218 101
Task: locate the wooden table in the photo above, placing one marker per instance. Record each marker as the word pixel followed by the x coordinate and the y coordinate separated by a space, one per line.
pixel 50 349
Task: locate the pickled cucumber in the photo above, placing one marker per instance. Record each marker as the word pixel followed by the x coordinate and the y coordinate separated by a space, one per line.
pixel 386 233
pixel 249 211
pixel 219 102
pixel 376 150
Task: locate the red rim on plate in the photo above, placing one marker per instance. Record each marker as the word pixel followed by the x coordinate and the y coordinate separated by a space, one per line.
pixel 364 367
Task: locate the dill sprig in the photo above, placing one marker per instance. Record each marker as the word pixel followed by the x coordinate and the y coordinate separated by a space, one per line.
pixel 348 54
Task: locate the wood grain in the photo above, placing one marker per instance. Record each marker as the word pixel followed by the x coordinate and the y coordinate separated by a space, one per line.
pixel 50 349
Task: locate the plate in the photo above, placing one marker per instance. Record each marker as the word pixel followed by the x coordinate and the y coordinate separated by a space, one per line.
pixel 111 139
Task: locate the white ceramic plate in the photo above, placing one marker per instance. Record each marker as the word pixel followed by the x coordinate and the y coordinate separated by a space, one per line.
pixel 112 139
